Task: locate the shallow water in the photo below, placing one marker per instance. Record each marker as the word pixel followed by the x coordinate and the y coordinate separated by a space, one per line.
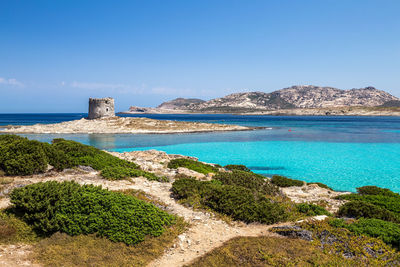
pixel 343 152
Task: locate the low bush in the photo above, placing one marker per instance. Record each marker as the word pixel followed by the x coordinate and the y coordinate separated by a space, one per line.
pixel 74 209
pixel 387 202
pixel 192 165
pixel 283 181
pixel 374 190
pixel 237 167
pixel 236 201
pixel 311 209
pixel 389 232
pixel 252 181
pixel 361 209
pixel 20 156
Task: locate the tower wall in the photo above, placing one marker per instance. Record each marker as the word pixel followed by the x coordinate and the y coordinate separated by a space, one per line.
pixel 101 108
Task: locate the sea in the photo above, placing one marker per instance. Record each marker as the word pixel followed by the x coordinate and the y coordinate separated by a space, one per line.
pixel 344 152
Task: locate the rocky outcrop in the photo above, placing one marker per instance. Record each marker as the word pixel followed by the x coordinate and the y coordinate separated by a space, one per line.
pixel 304 96
pixel 309 96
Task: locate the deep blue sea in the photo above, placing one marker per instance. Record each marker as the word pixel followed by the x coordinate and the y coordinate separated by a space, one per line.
pixel 343 152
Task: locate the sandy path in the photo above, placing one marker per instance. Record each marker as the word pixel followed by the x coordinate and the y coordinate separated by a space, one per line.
pixel 15 255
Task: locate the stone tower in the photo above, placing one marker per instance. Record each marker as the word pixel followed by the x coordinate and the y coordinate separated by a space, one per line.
pixel 101 108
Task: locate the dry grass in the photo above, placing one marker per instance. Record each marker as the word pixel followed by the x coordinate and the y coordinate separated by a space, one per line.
pixel 5 180
pixel 90 250
pixel 269 251
pixel 13 230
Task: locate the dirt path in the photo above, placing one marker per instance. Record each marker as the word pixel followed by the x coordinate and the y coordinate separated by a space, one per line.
pixel 15 255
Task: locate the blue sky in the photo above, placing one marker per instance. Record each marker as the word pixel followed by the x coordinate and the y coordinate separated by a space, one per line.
pixel 56 54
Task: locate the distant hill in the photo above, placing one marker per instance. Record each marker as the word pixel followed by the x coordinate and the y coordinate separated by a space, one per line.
pixel 296 98
pixel 304 96
pixel 180 103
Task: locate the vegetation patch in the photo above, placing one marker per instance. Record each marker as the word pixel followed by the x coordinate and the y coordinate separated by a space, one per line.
pixel 311 209
pixel 74 209
pixel 387 231
pixel 192 165
pixel 374 190
pixel 269 251
pixel 21 156
pixel 14 230
pixel 238 167
pixel 252 181
pixel 90 250
pixel 372 202
pixel 336 239
pixel 283 181
pixel 236 201
pixel 361 209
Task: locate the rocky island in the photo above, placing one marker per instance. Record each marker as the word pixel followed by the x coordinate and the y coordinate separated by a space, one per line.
pixel 124 125
pixel 102 120
pixel 295 100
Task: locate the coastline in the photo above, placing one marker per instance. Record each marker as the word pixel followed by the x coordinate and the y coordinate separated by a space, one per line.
pixel 123 125
pixel 333 111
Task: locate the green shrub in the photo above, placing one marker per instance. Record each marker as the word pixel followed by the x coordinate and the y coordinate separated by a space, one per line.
pixel 236 201
pixel 361 209
pixel 74 209
pixel 20 156
pixel 80 154
pixel 283 181
pixel 374 190
pixel 192 165
pixel 390 203
pixel 321 185
pixel 389 232
pixel 252 181
pixel 237 167
pixel 311 209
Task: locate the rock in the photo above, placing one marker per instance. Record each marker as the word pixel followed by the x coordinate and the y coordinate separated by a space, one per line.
pixel 293 232
pixel 190 173
pixel 86 168
pixel 182 237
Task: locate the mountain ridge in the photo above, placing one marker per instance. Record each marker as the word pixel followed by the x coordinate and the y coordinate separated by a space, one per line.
pixel 298 96
pixel 295 97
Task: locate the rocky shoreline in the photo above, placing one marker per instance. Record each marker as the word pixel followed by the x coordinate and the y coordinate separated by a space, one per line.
pixel 334 111
pixel 123 125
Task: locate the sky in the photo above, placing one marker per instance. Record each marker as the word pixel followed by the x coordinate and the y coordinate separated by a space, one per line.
pixel 54 55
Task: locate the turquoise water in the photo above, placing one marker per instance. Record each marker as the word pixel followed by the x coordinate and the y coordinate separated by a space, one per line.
pixel 343 152
pixel 343 166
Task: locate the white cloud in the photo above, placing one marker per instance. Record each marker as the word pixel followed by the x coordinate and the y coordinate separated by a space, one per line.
pixel 11 81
